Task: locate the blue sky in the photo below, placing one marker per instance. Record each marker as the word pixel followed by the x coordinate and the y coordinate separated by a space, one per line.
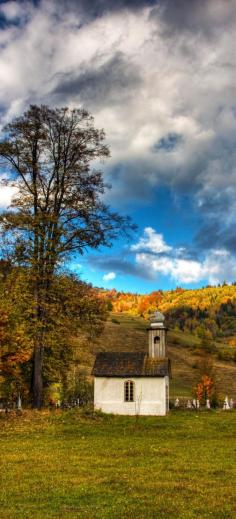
pixel 159 77
pixel 173 219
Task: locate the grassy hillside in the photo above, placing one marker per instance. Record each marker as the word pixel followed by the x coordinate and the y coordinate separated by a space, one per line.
pixel 207 312
pixel 128 333
pixel 77 465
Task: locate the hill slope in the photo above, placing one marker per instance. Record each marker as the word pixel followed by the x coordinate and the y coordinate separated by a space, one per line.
pixel 207 312
pixel 124 332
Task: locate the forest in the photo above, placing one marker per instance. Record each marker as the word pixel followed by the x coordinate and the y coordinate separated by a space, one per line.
pixel 209 313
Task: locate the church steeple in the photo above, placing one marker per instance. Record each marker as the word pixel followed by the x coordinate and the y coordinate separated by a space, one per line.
pixel 157 336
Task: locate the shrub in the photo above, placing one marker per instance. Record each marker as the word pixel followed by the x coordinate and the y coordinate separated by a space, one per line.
pixel 225 355
pixel 114 320
pixel 198 352
pixel 208 345
pixel 82 391
pixel 175 340
pixel 215 400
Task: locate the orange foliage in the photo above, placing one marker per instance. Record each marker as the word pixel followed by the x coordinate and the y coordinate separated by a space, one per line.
pixel 209 297
pixel 208 305
pixel 204 388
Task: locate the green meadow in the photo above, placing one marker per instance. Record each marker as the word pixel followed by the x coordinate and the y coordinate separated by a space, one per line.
pixel 80 464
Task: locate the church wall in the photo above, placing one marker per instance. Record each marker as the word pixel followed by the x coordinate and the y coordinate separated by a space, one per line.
pixel 149 396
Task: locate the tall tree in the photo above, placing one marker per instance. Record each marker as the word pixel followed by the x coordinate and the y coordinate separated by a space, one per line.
pixel 75 316
pixel 57 209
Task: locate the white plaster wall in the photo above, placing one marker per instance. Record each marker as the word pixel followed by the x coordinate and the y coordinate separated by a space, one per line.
pixel 149 396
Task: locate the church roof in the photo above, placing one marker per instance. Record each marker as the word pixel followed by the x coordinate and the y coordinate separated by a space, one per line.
pixel 126 364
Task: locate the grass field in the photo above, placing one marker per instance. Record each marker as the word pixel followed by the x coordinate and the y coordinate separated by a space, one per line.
pixel 83 465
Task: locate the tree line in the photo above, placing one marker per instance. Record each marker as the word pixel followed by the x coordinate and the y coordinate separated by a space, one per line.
pixel 209 312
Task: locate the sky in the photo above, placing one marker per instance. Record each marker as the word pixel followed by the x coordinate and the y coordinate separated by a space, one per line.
pixel 159 77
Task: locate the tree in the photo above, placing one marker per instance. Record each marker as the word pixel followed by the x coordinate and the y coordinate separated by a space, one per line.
pixel 77 312
pixel 15 333
pixel 76 315
pixel 57 209
pixel 204 389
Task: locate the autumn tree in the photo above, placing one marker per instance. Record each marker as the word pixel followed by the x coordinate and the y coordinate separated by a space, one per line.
pixel 16 342
pixel 76 316
pixel 49 156
pixel 77 312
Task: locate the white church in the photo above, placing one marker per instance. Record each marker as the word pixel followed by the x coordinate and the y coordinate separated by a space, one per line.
pixel 130 383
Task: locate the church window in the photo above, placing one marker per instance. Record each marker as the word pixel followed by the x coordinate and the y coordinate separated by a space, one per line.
pixel 129 391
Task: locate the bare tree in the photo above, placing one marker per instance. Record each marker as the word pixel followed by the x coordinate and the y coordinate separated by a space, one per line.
pixel 58 208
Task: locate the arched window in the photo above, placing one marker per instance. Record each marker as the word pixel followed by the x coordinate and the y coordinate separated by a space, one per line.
pixel 129 391
pixel 156 339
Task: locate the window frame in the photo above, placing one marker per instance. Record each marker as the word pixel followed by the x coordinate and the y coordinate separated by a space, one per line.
pixel 129 388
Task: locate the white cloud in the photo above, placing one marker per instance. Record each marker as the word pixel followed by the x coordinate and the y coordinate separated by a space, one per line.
pixel 220 266
pixel 6 194
pixel 193 95
pixel 184 63
pixel 151 241
pixel 181 270
pixel 216 267
pixel 156 257
pixel 109 276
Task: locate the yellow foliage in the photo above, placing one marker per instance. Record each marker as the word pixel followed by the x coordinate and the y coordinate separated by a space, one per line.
pixel 203 298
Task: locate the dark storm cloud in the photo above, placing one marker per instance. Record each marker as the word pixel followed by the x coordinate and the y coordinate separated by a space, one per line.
pixel 216 203
pixel 128 183
pixel 183 14
pixel 120 266
pixel 95 8
pixel 161 83
pixel 110 83
pixel 216 236
pixel 204 17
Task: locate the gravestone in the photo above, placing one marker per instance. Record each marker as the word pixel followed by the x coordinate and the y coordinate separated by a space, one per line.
pixel 226 404
pixel 19 403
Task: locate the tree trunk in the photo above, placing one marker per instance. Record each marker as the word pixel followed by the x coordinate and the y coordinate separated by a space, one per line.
pixel 42 300
pixel 39 339
pixel 37 378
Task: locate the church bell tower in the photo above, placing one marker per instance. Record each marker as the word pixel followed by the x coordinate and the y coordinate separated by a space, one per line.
pixel 157 336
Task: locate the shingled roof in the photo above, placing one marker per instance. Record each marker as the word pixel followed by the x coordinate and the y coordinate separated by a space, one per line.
pixel 126 364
